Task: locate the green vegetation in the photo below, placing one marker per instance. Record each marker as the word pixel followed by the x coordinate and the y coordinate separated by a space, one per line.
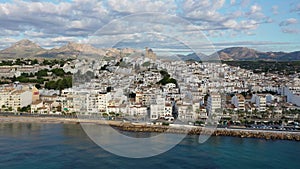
pixel 25 79
pixel 104 114
pixel 51 63
pixel 199 123
pixel 42 76
pixel 42 73
pixel 22 61
pixel 29 78
pixel 38 86
pixel 6 63
pixel 25 109
pixel 284 67
pixel 60 84
pixel 4 82
pixel 166 78
pixel 59 72
pixel 146 64
pixel 165 124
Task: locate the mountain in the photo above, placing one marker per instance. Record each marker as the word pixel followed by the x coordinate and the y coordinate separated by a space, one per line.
pixel 72 50
pixel 192 56
pixel 290 56
pixel 238 53
pixel 23 48
pixel 26 48
pixel 243 53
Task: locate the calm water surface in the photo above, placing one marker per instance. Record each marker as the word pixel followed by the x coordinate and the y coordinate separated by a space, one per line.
pixel 66 146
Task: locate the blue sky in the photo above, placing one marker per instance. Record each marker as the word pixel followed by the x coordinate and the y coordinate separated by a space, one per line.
pixel 265 25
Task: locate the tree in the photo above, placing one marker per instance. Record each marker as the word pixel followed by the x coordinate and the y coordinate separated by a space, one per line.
pixel 58 72
pixel 59 84
pixel 25 109
pixel 51 85
pixel 35 61
pixel 42 73
pixel 38 86
pixel 18 62
pixel 112 113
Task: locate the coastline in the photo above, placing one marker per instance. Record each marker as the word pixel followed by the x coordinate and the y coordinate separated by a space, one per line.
pixel 181 129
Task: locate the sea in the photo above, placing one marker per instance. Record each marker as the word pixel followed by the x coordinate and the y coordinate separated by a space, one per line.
pixel 67 146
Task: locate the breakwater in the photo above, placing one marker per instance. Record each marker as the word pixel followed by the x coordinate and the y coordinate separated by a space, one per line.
pixel 192 130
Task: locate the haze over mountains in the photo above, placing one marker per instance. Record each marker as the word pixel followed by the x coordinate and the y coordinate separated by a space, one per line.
pixel 26 49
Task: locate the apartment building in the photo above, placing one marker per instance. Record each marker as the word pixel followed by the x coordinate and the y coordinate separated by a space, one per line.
pixel 238 101
pixel 18 99
pixel 260 101
pixel 213 103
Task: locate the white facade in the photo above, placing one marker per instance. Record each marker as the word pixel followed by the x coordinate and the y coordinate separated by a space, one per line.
pixel 156 111
pixel 238 101
pixel 260 101
pixel 158 108
pixel 18 99
pixel 213 103
pixel 292 94
pixel 84 101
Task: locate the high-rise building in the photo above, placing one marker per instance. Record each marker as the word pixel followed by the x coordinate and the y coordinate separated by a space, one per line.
pixel 238 101
pixel 214 104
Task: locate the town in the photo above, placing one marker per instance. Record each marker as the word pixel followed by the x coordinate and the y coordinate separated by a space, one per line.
pixel 140 86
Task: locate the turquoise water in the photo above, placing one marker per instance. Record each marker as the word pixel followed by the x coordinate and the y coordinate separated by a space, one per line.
pixel 66 146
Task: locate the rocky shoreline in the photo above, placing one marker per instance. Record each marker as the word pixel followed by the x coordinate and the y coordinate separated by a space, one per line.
pixel 243 133
pixel 179 129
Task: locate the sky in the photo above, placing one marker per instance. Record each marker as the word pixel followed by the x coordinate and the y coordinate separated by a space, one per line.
pixel 264 25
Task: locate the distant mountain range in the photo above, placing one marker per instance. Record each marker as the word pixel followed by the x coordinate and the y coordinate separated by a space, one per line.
pixel 26 48
pixel 243 53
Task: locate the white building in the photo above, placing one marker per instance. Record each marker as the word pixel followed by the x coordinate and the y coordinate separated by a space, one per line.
pixel 292 94
pixel 18 99
pixel 213 103
pixel 260 101
pixel 158 108
pixel 85 101
pixel 238 101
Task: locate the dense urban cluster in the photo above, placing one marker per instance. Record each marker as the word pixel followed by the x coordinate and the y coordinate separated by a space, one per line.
pixel 142 86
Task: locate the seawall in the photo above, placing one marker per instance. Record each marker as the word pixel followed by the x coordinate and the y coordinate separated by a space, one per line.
pixel 192 130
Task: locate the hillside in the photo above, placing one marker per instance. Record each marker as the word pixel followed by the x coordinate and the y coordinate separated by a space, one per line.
pixel 21 49
pixel 243 53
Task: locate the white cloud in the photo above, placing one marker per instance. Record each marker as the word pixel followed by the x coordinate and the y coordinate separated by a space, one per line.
pixel 289 21
pixel 68 20
pixel 255 8
pixel 129 6
pixel 255 12
pixel 290 30
pixel 230 24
